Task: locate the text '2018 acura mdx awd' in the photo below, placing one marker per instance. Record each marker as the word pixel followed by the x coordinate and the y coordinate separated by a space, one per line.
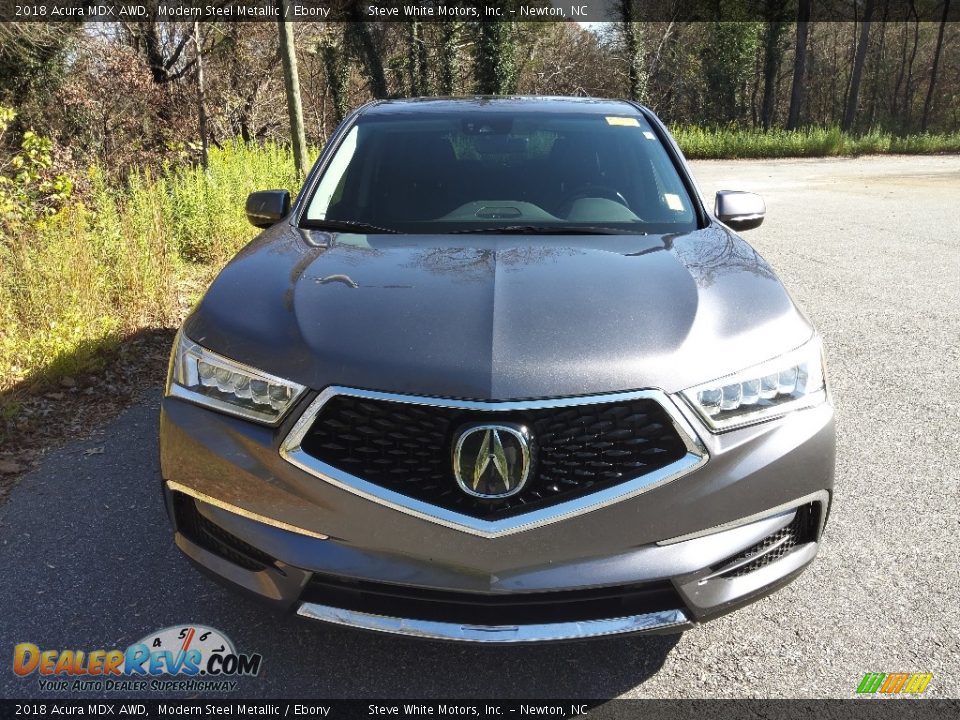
pixel 499 375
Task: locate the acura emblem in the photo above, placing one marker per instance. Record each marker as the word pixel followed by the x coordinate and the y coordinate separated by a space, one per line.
pixel 492 461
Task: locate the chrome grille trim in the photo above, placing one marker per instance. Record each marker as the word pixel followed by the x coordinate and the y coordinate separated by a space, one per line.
pixel 292 452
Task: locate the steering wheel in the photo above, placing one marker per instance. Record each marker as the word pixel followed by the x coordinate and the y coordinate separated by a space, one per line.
pixel 594 191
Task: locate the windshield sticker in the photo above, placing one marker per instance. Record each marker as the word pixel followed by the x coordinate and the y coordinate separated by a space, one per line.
pixel 649 135
pixel 673 202
pixel 623 121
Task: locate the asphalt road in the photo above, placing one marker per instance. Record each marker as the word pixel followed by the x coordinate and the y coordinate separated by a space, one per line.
pixel 870 248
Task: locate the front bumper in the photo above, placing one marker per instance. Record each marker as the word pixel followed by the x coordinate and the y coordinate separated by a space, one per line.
pixel 729 532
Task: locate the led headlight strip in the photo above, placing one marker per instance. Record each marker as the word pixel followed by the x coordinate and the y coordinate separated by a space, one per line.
pixel 206 378
pixel 765 391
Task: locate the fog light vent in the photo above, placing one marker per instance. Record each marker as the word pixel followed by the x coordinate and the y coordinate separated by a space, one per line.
pixel 801 530
pixel 198 529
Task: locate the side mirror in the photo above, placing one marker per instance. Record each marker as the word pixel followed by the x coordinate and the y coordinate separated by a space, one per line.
pixel 739 210
pixel 266 207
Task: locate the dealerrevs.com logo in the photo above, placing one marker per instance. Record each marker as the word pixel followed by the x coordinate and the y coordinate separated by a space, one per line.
pixel 181 657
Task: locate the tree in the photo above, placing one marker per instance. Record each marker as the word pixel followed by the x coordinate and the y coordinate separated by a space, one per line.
pixel 799 64
pixel 247 92
pixel 566 59
pixel 727 60
pixel 853 94
pixel 634 46
pixel 449 59
pixel 163 46
pixel 494 69
pixel 936 63
pixel 774 36
pixel 417 60
pixel 291 80
pixel 32 64
pixel 360 37
pixel 908 88
pixel 879 71
pixel 134 127
pixel 337 70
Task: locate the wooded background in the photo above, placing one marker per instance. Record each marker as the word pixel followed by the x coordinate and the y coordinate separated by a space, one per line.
pixel 126 95
pixel 127 150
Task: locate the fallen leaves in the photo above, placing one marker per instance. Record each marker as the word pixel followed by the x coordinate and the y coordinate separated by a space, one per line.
pixel 36 418
pixel 8 467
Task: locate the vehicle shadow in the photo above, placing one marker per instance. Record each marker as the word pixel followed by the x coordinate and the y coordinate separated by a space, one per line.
pixel 360 664
pixel 91 564
pixel 75 391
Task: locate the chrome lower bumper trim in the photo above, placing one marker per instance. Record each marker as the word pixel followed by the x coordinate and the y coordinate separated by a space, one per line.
pixel 209 500
pixel 497 633
pixel 821 496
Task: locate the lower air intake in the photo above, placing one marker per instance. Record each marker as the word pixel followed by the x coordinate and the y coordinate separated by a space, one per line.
pixel 802 529
pixel 201 531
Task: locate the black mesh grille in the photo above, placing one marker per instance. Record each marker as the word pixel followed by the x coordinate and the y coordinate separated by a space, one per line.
pixel 198 529
pixel 491 609
pixel 800 530
pixel 576 450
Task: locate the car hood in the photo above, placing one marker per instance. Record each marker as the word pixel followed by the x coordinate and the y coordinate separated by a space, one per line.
pixel 498 317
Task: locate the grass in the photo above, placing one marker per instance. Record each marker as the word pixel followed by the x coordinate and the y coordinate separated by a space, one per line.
pixel 125 259
pixel 724 143
pixel 136 257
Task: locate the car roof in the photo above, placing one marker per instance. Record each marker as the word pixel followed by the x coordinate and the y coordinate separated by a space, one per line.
pixel 499 103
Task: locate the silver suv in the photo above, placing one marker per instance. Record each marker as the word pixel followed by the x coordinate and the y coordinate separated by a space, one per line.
pixel 499 375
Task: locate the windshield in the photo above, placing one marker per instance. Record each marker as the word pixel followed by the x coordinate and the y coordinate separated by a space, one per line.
pixel 449 172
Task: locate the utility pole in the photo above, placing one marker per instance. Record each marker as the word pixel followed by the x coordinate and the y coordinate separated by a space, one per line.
pixel 201 99
pixel 291 82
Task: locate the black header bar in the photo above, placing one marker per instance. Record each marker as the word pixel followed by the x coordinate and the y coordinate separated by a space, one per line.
pixel 591 11
pixel 872 709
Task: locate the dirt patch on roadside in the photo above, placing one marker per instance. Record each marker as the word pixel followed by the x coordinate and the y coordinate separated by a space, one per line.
pixel 38 416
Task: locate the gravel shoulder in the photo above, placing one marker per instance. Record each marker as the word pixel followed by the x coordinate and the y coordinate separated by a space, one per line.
pixel 869 248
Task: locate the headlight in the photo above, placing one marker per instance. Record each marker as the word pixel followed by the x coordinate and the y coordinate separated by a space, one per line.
pixel 203 377
pixel 765 391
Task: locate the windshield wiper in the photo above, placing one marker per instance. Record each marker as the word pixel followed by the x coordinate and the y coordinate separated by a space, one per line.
pixel 347 226
pixel 550 230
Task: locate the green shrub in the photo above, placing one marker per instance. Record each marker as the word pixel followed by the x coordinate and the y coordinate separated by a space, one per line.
pixel 733 143
pixel 126 258
pixel 29 187
pixel 206 208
